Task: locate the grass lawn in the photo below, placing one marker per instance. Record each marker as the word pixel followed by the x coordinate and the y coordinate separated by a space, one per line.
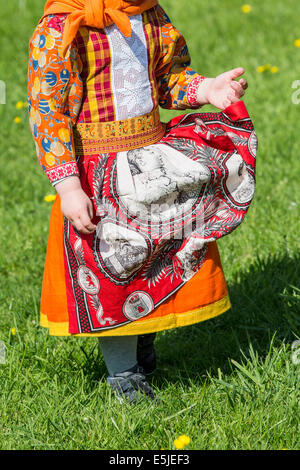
pixel 229 383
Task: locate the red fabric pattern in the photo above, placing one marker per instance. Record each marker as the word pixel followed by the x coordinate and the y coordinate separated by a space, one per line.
pixel 132 264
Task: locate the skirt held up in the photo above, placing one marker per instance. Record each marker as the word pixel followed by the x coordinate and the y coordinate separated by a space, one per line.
pixel 153 263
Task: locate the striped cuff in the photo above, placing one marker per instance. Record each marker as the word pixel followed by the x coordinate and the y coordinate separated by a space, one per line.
pixel 58 173
pixel 192 89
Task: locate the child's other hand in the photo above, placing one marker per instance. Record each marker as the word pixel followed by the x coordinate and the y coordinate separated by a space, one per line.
pixel 76 206
pixel 223 90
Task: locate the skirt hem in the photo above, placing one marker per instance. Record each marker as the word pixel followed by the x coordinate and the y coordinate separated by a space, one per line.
pixel 170 321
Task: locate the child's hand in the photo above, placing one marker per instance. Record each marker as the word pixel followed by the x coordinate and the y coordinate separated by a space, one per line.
pixel 223 90
pixel 76 206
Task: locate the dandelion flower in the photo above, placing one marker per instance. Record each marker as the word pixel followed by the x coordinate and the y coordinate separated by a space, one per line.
pixel 19 105
pixel 274 69
pixel 297 43
pixel 179 444
pixel 13 331
pixel 185 439
pixel 182 441
pixel 49 197
pixel 246 8
pixel 17 120
pixel 261 68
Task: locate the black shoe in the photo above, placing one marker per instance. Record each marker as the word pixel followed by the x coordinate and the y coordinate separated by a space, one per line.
pixel 146 353
pixel 130 385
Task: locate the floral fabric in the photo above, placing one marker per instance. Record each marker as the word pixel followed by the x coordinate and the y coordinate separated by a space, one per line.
pixel 77 88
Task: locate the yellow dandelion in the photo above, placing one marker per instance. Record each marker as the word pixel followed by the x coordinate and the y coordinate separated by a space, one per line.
pixel 17 120
pixel 50 197
pixel 13 331
pixel 179 444
pixel 274 69
pixel 185 439
pixel 261 68
pixel 297 43
pixel 246 8
pixel 182 441
pixel 20 105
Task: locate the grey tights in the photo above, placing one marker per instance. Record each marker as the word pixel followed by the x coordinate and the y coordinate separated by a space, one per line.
pixel 119 352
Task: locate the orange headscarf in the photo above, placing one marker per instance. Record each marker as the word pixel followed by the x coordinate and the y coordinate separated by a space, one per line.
pixel 97 14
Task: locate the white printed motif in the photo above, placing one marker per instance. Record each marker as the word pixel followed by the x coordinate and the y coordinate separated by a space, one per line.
pixel 129 71
pixel 123 250
pixel 87 280
pixel 240 183
pixel 159 176
pixel 138 305
pixel 253 144
pixel 100 312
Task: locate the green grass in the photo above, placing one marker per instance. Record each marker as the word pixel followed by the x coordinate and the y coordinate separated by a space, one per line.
pixel 229 383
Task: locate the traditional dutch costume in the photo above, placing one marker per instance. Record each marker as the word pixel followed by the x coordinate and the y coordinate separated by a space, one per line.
pixel 162 193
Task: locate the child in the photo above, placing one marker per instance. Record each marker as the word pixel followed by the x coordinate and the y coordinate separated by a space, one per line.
pixel 139 207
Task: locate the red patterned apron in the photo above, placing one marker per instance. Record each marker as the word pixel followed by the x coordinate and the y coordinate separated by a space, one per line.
pixel 157 210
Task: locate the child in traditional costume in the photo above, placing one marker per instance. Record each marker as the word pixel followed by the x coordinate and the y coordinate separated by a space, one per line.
pixel 132 240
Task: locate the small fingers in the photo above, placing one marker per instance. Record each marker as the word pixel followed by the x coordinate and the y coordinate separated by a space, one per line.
pixel 243 83
pixel 235 73
pixel 79 226
pixel 238 89
pixel 89 226
pixel 90 209
pixel 83 225
pixel 87 223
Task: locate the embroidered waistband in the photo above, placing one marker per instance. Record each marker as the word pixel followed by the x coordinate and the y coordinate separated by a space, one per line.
pixel 118 136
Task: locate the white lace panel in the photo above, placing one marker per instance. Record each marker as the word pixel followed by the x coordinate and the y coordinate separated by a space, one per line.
pixel 129 71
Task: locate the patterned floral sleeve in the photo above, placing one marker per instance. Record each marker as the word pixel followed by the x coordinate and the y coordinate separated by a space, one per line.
pixel 54 98
pixel 177 81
